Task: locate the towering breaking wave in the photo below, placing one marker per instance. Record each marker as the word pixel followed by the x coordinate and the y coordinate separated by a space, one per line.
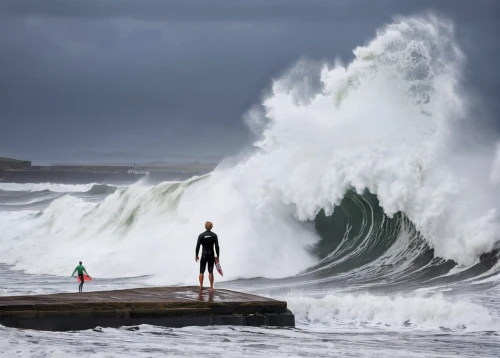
pixel 389 123
pixel 360 175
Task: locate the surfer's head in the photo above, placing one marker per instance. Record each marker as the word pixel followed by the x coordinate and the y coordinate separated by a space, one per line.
pixel 209 225
pixel 80 262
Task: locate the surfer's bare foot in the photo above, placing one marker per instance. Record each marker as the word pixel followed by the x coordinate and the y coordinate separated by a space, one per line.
pixel 201 289
pixel 212 289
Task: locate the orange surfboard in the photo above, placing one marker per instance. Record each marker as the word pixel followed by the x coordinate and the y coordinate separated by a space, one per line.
pixel 85 278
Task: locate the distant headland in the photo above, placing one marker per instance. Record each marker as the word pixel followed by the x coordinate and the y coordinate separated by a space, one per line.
pixel 9 163
pixel 15 170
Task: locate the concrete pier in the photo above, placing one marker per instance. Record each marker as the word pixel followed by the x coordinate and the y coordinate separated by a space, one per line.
pixel 160 306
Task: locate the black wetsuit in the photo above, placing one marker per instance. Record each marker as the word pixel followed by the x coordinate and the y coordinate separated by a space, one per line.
pixel 208 240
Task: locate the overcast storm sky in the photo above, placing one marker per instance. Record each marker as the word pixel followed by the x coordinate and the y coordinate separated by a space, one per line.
pixel 149 80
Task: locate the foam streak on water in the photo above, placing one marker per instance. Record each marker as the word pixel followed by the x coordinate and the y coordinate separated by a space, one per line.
pixel 147 341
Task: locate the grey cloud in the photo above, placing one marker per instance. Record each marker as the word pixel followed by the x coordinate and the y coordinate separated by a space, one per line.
pixel 162 77
pixel 237 10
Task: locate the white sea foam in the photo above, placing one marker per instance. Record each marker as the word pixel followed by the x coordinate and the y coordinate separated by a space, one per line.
pixel 394 312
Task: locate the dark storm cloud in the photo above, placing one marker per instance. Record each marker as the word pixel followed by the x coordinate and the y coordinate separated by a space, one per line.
pixel 165 78
pixel 237 10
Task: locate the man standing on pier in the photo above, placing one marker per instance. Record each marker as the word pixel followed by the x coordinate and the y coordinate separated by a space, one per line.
pixel 208 240
pixel 81 269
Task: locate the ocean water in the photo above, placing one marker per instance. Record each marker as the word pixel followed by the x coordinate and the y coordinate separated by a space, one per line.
pixel 367 204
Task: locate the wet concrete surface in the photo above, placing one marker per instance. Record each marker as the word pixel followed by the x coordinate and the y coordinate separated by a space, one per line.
pixel 163 306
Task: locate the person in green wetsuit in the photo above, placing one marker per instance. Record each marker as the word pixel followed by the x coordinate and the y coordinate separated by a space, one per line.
pixel 81 269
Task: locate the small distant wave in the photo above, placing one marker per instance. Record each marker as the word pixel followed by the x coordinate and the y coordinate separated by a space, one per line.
pixel 90 189
pixel 101 189
pixel 25 200
pixel 54 187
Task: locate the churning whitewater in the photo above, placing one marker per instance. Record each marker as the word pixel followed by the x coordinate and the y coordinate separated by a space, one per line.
pixel 365 200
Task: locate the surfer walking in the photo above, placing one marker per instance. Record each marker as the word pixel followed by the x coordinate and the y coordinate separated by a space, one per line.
pixel 208 240
pixel 80 269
